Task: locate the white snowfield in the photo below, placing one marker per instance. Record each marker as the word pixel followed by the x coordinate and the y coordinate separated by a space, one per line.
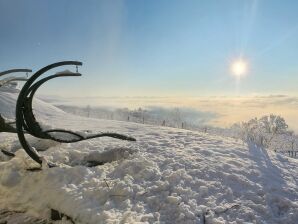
pixel 168 176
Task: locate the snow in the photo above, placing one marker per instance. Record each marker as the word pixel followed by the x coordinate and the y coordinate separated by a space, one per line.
pixel 168 176
pixel 8 99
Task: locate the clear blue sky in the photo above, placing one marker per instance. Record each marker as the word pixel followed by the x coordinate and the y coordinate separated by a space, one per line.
pixel 155 48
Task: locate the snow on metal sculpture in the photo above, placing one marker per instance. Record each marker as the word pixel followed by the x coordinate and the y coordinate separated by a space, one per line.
pixel 13 78
pixel 27 123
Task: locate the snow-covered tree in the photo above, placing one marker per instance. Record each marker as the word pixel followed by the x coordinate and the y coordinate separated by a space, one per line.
pixel 267 132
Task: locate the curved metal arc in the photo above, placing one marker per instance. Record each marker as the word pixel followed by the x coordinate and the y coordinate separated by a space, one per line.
pixel 45 69
pixel 36 85
pixel 14 71
pixel 64 131
pixel 20 103
pixel 112 135
pixel 28 116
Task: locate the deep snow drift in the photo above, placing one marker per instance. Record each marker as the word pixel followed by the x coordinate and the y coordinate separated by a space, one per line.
pixel 168 176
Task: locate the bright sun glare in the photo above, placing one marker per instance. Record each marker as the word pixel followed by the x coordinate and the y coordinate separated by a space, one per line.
pixel 239 67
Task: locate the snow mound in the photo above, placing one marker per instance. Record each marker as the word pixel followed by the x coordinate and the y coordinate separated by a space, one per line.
pixel 8 98
pixel 167 176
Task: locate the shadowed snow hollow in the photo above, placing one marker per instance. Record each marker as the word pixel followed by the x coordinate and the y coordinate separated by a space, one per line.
pixel 167 176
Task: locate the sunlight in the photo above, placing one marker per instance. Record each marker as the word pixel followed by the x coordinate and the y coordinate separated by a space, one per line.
pixel 239 67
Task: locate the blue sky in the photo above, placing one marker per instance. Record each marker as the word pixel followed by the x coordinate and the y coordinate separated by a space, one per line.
pixel 155 48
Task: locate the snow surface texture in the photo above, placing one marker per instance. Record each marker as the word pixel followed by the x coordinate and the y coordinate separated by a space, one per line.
pixel 167 176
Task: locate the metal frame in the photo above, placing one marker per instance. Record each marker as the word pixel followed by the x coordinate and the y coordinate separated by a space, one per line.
pixel 27 123
pixel 11 79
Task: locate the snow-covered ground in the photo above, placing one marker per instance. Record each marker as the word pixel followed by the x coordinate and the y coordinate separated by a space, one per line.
pixel 168 176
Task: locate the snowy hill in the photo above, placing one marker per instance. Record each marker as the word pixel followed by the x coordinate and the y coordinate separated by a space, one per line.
pixel 8 99
pixel 168 176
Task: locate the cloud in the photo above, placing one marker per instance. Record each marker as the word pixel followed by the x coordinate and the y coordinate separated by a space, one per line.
pixel 220 111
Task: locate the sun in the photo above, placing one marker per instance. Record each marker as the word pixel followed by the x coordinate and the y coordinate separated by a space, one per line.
pixel 239 67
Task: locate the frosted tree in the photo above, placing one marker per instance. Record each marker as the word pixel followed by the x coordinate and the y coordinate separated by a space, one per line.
pixel 265 132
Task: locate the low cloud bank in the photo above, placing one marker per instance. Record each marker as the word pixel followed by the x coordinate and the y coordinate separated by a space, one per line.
pixel 219 111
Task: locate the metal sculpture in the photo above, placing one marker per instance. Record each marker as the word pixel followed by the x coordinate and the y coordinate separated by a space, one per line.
pixel 13 78
pixel 26 122
pixel 14 71
pixel 7 126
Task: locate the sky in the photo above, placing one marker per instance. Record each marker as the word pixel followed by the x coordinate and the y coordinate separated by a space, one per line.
pixel 155 48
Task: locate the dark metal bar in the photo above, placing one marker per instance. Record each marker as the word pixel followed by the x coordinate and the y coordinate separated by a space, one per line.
pixel 14 71
pixel 97 135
